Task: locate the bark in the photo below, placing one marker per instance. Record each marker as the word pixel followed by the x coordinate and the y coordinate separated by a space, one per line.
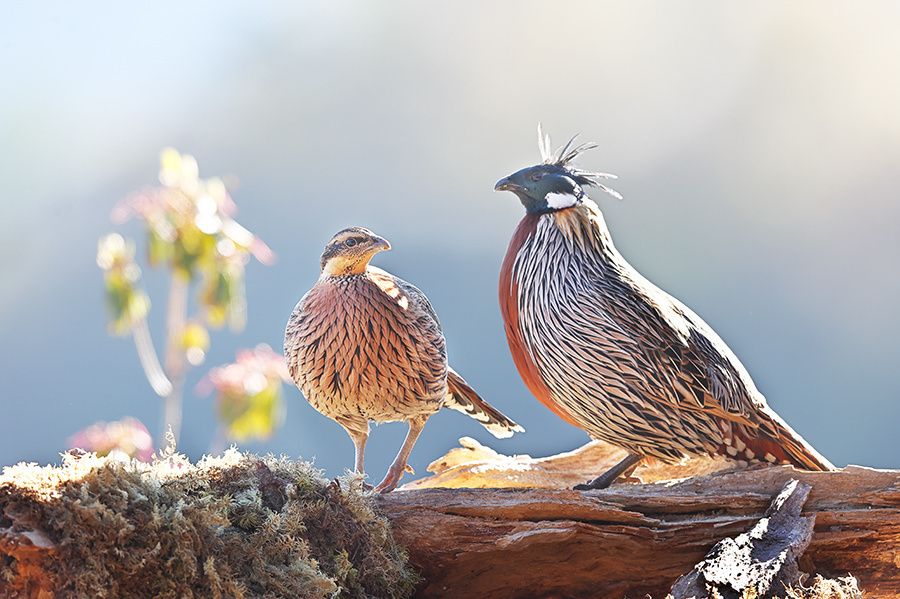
pixel 632 539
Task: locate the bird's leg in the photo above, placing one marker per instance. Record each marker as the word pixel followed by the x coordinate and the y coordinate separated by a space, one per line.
pixel 359 434
pixel 395 472
pixel 359 445
pixel 625 467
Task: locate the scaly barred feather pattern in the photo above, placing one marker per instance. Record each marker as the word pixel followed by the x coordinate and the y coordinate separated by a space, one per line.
pixel 370 347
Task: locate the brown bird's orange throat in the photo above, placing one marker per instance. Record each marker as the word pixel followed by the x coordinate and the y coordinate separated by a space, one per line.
pixel 340 266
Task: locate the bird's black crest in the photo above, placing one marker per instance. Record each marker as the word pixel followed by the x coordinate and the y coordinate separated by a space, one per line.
pixel 564 157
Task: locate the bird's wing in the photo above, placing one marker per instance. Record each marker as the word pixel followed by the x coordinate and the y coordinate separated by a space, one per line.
pixel 405 294
pixel 707 376
pixel 293 337
pixel 732 388
pixel 460 395
pixel 647 345
pixel 421 315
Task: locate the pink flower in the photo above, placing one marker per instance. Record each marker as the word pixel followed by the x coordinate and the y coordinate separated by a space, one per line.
pixel 127 437
pixel 252 371
pixel 248 393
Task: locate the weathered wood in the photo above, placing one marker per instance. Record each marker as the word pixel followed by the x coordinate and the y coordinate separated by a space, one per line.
pixel 635 539
pixel 764 560
pixel 475 466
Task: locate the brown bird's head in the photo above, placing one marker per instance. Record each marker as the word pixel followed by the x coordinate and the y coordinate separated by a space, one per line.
pixel 348 252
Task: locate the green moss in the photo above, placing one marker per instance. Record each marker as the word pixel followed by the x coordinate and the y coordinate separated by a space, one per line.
pixel 233 526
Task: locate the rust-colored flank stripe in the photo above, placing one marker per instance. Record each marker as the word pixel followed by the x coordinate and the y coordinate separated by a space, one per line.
pixel 509 307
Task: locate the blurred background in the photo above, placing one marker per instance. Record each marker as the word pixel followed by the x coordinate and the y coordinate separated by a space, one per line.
pixel 758 150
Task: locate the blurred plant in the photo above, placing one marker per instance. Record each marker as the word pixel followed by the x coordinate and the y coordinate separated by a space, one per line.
pixel 127 437
pixel 248 393
pixel 191 232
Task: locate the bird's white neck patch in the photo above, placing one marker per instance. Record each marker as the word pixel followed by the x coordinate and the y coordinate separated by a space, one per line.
pixel 558 201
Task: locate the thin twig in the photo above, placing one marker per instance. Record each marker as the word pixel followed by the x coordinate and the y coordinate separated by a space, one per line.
pixel 146 352
pixel 176 362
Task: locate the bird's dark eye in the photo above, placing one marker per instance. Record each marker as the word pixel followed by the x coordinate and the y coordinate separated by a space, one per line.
pixel 350 242
pixel 536 176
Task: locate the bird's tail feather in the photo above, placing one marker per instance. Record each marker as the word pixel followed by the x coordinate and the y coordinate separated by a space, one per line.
pixel 799 452
pixel 780 443
pixel 463 398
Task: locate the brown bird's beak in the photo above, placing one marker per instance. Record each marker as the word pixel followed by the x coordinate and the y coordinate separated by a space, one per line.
pixel 380 244
pixel 505 184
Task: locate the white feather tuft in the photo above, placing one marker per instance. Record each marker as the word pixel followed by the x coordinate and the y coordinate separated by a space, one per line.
pixel 558 201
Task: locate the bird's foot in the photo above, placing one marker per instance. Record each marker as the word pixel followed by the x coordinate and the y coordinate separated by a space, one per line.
pixel 601 482
pixel 606 480
pixel 391 480
pixel 623 469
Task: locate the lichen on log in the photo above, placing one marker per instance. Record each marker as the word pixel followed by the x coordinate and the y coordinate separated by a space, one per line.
pixel 762 561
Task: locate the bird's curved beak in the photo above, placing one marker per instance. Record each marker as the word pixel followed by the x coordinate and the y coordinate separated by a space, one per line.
pixel 381 244
pixel 505 184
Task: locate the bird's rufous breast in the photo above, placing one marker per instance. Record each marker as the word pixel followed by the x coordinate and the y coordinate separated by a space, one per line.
pixel 364 350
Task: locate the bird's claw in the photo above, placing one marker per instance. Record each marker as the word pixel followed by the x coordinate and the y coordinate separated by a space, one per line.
pixel 391 480
pixel 601 482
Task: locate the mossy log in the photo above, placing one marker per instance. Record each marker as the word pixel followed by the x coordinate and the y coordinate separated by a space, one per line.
pixel 244 526
pixel 632 539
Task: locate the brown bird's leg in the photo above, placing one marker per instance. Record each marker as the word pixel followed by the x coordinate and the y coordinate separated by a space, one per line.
pixel 627 465
pixel 359 444
pixel 395 472
pixel 359 434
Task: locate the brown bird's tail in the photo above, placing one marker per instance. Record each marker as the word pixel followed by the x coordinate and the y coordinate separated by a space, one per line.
pixel 463 398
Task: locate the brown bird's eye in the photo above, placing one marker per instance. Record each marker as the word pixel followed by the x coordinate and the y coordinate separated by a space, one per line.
pixel 350 242
pixel 536 176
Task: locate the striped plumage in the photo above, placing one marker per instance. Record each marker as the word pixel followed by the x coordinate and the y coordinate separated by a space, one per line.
pixel 365 345
pixel 613 354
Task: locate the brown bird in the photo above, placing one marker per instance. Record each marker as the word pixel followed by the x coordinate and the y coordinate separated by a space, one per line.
pixel 365 345
pixel 611 353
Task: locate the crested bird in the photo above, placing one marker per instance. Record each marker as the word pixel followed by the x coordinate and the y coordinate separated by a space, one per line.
pixel 610 352
pixel 363 345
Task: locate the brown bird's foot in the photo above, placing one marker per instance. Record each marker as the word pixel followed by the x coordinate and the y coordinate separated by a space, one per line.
pixel 401 462
pixel 391 480
pixel 625 467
